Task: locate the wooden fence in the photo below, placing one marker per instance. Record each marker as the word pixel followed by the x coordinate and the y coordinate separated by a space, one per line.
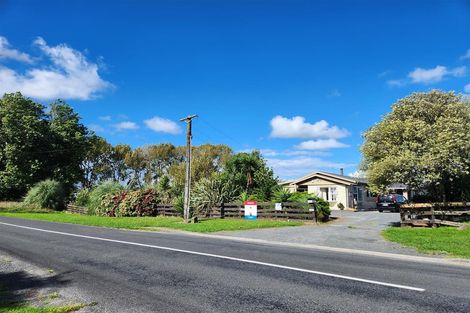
pixel 76 209
pixel 435 214
pixel 266 210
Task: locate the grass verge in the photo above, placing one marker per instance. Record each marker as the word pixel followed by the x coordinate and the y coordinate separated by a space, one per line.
pixel 447 240
pixel 150 223
pixel 51 309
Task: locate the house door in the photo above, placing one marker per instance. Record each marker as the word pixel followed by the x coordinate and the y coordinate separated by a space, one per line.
pixel 324 193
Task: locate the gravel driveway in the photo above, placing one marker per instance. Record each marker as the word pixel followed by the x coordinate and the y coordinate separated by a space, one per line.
pixel 353 230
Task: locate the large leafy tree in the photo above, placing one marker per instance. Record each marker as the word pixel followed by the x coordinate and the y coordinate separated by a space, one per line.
pixel 35 145
pixel 118 162
pixel 251 174
pixel 423 142
pixel 68 144
pixel 23 145
pixel 97 165
pixel 159 159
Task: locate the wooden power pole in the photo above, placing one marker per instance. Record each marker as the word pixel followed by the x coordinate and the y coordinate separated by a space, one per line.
pixel 187 186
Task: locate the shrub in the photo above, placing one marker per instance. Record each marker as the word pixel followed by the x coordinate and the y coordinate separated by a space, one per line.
pixel 82 198
pixel 99 192
pixel 323 207
pixel 340 206
pixel 139 203
pixel 48 194
pixel 178 204
pixel 130 203
pixel 110 203
pixel 300 196
pixel 282 195
pixel 212 192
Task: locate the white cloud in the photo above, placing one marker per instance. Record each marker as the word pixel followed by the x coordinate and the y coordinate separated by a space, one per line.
pixel 95 128
pixel 296 127
pixel 298 167
pixel 69 76
pixel 105 118
pixel 434 75
pixel 321 144
pixel 467 88
pixel 396 82
pixel 163 125
pixel 466 55
pixel 287 153
pixel 8 53
pixel 126 126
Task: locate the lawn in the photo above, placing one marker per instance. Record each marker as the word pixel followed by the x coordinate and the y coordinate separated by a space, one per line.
pixel 146 223
pixel 448 240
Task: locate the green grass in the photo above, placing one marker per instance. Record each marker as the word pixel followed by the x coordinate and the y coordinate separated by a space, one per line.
pixel 50 309
pixel 149 223
pixel 447 240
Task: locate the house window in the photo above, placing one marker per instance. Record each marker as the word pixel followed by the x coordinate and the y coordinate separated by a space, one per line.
pixel 332 194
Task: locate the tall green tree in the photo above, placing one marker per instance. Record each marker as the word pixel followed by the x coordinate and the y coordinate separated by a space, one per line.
pixel 118 162
pixel 250 173
pixel 135 161
pixel 159 158
pixel 35 145
pixel 69 140
pixel 423 142
pixel 23 145
pixel 97 165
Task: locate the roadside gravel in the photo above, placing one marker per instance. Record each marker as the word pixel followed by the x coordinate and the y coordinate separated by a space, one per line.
pixel 350 230
pixel 24 283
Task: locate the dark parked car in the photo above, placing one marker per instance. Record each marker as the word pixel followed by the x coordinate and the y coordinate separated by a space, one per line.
pixel 390 202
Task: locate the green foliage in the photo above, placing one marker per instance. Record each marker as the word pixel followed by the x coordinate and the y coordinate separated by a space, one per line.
pixel 323 207
pixel 424 143
pixel 35 146
pixel 249 172
pixel 212 192
pixel 98 193
pixel 178 204
pixel 130 203
pixel 68 144
pixel 340 206
pixel 97 165
pixel 48 194
pixel 282 195
pixel 82 198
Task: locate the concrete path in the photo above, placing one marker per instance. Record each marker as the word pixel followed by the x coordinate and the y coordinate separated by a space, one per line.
pixel 351 230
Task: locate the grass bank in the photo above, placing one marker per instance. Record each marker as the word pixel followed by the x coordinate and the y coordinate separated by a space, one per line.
pixel 146 223
pixel 447 240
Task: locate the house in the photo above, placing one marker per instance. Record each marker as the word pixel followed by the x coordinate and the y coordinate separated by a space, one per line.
pixel 351 192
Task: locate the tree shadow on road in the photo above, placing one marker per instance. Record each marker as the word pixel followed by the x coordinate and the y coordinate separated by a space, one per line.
pixel 17 288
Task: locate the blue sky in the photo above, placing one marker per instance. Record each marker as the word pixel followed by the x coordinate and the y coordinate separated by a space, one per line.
pixel 298 80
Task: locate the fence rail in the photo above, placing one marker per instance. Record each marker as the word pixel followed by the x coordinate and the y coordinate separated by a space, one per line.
pixel 435 214
pixel 266 210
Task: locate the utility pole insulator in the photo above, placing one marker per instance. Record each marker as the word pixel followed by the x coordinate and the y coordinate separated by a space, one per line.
pixel 187 186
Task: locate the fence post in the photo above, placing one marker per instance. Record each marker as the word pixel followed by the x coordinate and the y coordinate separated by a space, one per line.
pixel 222 211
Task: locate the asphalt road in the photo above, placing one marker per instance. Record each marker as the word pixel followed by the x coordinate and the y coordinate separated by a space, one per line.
pixel 130 271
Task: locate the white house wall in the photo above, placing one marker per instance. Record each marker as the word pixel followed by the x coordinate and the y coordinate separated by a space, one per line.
pixel 341 193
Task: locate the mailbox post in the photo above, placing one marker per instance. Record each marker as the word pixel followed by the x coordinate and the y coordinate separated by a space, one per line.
pixel 313 204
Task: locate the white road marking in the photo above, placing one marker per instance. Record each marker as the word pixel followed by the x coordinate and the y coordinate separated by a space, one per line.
pixel 368 281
